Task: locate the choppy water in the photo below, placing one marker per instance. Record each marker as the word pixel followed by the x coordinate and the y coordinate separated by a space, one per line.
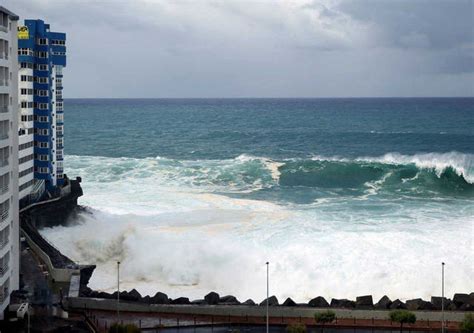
pixel 343 196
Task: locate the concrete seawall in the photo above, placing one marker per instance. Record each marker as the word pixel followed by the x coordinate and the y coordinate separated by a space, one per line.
pixel 81 303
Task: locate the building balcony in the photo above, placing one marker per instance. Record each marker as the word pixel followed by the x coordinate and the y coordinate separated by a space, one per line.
pixel 4 242
pixel 4 189
pixel 4 215
pixel 4 269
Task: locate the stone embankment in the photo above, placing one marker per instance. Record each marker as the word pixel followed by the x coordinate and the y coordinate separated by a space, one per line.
pixel 460 302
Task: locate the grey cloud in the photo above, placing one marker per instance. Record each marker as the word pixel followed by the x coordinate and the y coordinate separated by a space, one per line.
pixel 210 48
pixel 417 23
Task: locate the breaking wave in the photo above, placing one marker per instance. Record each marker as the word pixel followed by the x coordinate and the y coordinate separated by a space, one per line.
pixel 418 175
pixel 187 227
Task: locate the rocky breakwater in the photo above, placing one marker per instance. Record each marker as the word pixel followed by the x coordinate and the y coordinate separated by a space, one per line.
pixel 459 302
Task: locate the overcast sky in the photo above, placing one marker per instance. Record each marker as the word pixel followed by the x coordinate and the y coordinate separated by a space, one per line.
pixel 266 48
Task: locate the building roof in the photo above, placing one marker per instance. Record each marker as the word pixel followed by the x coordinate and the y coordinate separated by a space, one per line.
pixel 13 16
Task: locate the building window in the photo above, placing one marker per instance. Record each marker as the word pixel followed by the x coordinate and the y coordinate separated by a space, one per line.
pixel 41 144
pixel 42 169
pixel 25 91
pixel 4 183
pixel 58 42
pixel 4 129
pixel 26 78
pixel 4 237
pixel 42 131
pixel 25 172
pixel 4 264
pixel 25 52
pixel 42 41
pixel 4 155
pixel 27 184
pixel 25 145
pixel 42 54
pixel 41 93
pixel 26 65
pixel 25 159
pixel 41 67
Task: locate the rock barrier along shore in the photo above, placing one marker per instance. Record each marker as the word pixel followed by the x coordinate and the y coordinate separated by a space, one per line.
pixel 459 302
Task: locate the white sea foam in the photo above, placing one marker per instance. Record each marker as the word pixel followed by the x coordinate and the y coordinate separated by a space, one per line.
pixel 462 164
pixel 174 235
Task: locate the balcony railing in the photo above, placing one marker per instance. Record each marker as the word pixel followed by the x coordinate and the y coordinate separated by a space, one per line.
pixel 4 215
pixel 3 162
pixel 4 189
pixel 3 136
pixel 4 294
pixel 3 109
pixel 3 28
pixel 4 242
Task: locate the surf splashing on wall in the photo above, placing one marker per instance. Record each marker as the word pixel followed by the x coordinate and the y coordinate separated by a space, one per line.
pixel 188 227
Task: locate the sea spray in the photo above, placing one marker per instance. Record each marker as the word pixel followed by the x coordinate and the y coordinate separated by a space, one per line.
pixel 187 227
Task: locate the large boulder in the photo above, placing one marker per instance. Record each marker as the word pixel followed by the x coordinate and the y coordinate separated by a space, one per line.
pixel 436 303
pixel 229 300
pixel 134 295
pixel 463 302
pixel 364 302
pixel 212 298
pixel 85 292
pixel 249 302
pixel 160 298
pixel 342 303
pixel 181 301
pixel 104 295
pixel 199 302
pixel 128 296
pixel 383 303
pixel 319 302
pixel 289 302
pixel 272 301
pixel 397 304
pixel 418 304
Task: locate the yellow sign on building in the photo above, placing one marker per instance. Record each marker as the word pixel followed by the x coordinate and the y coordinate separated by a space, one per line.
pixel 23 33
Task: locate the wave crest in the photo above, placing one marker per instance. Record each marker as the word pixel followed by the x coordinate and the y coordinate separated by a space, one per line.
pixel 393 173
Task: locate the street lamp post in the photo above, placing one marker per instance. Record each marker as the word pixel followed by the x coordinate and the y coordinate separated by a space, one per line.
pixel 267 297
pixel 118 292
pixel 442 297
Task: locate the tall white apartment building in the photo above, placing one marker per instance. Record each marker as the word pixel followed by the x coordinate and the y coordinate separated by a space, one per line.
pixel 9 200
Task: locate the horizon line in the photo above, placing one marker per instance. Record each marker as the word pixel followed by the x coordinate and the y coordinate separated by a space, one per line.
pixel 340 97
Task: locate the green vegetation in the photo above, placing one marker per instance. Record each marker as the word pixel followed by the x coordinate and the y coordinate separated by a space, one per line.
pixel 324 317
pixel 296 328
pixel 402 317
pixel 467 325
pixel 124 328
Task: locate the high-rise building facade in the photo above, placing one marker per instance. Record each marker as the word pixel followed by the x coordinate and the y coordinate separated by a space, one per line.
pixel 9 224
pixel 42 57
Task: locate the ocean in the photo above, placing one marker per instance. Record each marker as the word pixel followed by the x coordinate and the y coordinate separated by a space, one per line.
pixel 343 197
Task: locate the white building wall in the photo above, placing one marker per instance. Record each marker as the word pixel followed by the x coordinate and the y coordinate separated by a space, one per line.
pixel 9 219
pixel 54 127
pixel 26 170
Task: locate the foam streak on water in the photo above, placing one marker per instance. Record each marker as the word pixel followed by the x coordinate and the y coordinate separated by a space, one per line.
pixel 188 227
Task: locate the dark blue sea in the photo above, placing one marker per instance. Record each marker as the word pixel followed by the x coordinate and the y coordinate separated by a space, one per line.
pixel 344 197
